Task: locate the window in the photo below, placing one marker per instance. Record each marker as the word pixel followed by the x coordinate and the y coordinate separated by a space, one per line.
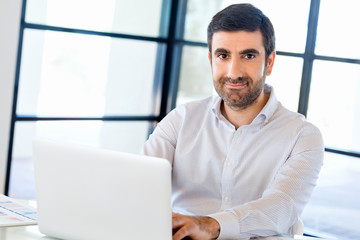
pixel 111 16
pixel 105 74
pixel 334 103
pixel 336 36
pixel 89 78
pixel 71 74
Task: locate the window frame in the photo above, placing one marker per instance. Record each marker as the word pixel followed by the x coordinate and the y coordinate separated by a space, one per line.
pixel 168 68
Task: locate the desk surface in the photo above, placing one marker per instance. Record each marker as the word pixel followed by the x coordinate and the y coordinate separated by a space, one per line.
pixel 21 233
pixel 32 233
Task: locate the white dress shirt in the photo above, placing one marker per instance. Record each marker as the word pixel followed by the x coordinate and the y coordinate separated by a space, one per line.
pixel 255 181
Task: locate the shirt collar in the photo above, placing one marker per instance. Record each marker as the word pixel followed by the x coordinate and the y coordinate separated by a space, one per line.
pixel 216 108
pixel 270 107
pixel 265 113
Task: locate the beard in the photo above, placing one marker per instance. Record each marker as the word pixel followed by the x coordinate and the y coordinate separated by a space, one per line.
pixel 240 98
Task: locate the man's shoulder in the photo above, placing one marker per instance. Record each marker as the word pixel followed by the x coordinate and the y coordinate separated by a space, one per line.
pixel 191 111
pixel 198 105
pixel 294 120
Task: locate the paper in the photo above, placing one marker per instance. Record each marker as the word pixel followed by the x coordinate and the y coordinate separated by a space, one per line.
pixel 13 213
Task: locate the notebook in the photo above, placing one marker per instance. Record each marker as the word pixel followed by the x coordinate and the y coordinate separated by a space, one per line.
pixel 90 193
pixel 15 213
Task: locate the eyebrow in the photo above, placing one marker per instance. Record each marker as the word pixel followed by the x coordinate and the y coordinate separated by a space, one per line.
pixel 245 51
pixel 220 50
pixel 250 50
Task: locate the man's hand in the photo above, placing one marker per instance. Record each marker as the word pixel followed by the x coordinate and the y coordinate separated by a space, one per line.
pixel 197 228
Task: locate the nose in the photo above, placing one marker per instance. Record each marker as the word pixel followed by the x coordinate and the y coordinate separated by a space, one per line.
pixel 235 69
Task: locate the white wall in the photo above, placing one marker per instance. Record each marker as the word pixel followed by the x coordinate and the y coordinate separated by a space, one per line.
pixel 10 13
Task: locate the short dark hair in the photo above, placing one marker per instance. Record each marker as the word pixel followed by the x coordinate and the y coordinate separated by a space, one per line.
pixel 243 17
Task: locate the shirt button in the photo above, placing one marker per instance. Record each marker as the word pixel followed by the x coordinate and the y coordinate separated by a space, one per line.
pixel 226 199
pixel 229 164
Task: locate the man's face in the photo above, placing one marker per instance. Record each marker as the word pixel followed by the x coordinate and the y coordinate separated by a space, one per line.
pixel 238 67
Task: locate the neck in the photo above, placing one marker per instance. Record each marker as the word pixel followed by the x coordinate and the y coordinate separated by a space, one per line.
pixel 244 116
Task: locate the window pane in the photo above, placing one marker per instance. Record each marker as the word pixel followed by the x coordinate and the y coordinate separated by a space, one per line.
pixel 198 15
pixel 119 136
pixel 335 102
pixel 121 16
pixel 195 75
pixel 286 80
pixel 334 209
pixel 338 34
pixel 66 74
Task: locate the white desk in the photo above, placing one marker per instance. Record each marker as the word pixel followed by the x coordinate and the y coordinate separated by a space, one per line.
pixel 32 233
pixel 21 233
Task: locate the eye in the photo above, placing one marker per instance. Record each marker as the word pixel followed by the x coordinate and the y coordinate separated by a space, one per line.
pixel 222 56
pixel 249 56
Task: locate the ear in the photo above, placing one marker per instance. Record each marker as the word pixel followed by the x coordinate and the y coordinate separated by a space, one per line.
pixel 270 63
pixel 209 57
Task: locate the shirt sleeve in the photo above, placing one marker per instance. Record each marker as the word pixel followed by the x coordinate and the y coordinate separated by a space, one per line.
pixel 283 201
pixel 162 142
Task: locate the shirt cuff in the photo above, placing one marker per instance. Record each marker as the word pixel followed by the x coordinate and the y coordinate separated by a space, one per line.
pixel 229 226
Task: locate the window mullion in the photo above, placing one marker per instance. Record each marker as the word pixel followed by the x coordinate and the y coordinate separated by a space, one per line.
pixel 173 56
pixel 309 56
pixel 15 95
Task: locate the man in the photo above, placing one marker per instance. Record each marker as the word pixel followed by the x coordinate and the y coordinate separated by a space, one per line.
pixel 243 165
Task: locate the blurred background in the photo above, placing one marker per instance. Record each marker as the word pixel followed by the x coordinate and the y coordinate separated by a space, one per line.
pixel 103 73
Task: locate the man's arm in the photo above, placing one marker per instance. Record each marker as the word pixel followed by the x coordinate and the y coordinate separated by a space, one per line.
pixel 283 201
pixel 275 212
pixel 162 142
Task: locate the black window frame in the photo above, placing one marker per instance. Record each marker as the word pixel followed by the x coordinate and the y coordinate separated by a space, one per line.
pixel 173 22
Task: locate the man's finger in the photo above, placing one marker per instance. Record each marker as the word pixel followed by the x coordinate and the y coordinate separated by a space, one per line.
pixel 177 220
pixel 182 226
pixel 181 233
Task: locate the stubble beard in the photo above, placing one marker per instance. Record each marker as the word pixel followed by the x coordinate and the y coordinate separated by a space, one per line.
pixel 239 99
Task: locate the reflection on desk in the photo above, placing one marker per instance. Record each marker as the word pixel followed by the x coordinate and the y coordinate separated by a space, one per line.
pixel 32 233
pixel 21 233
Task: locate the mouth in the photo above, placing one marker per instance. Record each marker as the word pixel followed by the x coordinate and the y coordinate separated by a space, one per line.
pixel 239 85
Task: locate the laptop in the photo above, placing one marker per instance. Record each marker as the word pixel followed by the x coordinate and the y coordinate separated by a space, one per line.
pixel 90 193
